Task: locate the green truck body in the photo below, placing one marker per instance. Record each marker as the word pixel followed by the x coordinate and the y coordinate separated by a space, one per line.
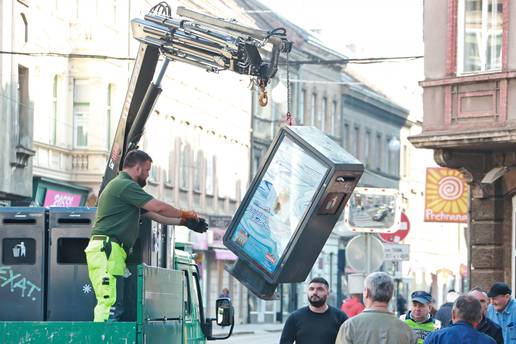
pixel 168 310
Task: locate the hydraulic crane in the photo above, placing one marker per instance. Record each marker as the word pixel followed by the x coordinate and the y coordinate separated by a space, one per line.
pixel 197 39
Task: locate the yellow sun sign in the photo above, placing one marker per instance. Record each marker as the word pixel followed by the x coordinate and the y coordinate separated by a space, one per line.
pixel 446 196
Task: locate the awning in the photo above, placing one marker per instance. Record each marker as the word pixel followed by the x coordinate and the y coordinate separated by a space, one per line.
pixel 221 254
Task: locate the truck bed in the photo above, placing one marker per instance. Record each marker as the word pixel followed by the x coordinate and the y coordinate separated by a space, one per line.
pixel 21 332
pixel 158 317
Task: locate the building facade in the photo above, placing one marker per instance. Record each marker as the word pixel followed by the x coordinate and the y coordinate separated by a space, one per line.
pixel 360 119
pixel 469 120
pixel 16 104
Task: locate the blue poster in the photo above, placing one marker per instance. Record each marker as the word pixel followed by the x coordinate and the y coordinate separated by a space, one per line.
pixel 278 204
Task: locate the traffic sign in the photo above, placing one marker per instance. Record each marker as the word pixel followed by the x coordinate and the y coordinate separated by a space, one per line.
pixel 364 253
pixel 396 252
pixel 400 234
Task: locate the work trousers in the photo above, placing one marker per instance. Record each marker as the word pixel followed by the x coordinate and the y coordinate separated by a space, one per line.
pixel 106 268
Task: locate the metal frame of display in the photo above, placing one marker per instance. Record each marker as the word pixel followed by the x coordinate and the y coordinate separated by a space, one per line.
pixel 293 265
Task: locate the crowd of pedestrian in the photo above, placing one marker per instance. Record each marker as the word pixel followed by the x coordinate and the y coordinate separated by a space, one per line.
pixel 476 317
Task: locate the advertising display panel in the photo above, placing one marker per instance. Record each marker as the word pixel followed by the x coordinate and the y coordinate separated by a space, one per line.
pixel 278 205
pixel 290 209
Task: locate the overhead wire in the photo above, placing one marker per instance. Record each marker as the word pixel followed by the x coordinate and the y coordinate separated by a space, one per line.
pixel 361 60
pixel 68 55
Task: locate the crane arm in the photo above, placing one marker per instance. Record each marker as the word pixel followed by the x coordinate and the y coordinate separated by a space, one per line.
pixel 200 40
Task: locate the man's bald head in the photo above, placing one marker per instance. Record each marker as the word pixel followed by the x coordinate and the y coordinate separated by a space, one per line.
pixel 482 297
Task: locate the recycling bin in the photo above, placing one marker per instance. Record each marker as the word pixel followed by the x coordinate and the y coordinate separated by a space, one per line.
pixel 146 249
pixel 70 295
pixel 22 269
pixel 152 248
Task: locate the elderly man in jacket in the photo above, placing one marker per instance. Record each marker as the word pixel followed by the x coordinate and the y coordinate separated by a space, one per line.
pixel 502 310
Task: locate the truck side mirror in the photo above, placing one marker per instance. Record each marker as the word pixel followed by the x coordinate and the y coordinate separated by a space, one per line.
pixel 224 311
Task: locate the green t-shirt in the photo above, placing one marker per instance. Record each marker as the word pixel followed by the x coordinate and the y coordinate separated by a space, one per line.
pixel 118 211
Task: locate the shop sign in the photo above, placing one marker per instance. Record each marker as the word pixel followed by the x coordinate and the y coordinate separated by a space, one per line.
pixel 55 198
pixel 446 196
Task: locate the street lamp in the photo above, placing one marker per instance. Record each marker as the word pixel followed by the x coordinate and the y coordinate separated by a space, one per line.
pixel 394 144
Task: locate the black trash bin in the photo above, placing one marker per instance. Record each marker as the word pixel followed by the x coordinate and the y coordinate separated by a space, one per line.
pixel 70 295
pixel 152 248
pixel 22 268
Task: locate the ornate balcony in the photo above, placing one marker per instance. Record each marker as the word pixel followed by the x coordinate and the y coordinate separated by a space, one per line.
pixel 81 166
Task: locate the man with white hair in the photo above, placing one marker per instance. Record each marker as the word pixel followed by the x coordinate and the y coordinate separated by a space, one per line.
pixel 376 324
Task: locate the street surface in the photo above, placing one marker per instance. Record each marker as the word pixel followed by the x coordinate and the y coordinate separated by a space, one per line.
pixel 253 334
pixel 255 338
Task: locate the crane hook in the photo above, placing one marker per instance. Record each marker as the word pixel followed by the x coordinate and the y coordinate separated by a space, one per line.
pixel 262 98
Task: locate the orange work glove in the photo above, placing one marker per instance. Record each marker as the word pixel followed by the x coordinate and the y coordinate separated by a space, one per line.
pixel 188 215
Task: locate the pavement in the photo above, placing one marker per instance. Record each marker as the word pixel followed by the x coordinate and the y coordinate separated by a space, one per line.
pixel 246 329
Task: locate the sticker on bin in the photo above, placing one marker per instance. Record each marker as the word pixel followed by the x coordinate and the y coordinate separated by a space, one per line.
pixel 18 251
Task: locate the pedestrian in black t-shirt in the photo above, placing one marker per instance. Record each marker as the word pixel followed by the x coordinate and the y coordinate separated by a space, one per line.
pixel 316 323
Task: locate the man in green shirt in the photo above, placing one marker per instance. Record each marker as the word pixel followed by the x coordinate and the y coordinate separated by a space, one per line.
pixel 419 318
pixel 116 229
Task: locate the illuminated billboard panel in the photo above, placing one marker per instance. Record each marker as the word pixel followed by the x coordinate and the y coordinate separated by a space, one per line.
pixel 278 204
pixel 290 209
